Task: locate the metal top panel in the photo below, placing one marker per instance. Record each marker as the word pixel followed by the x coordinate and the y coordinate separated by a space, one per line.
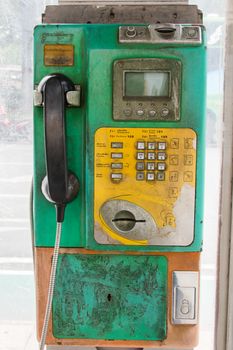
pixel 123 14
pixel 161 33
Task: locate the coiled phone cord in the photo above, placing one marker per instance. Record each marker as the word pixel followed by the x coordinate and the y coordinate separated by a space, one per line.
pixel 51 286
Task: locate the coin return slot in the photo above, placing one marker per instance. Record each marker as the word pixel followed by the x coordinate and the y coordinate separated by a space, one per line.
pixel 125 220
pixel 166 32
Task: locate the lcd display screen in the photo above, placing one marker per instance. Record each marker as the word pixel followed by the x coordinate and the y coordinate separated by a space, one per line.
pixel 147 84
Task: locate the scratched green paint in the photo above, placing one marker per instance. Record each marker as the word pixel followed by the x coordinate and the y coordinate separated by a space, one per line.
pixel 110 297
pixel 96 48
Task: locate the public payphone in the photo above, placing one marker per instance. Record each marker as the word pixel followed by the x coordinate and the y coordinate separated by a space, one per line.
pixel 119 141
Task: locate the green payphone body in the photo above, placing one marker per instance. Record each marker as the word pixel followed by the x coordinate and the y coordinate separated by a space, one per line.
pixel 121 111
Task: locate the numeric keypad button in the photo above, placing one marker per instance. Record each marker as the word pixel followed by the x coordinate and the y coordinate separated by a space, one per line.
pixel 140 176
pixel 140 166
pixel 150 176
pixel 141 155
pixel 151 145
pixel 161 166
pixel 150 155
pixel 160 176
pixel 150 166
pixel 162 145
pixel 141 145
pixel 161 156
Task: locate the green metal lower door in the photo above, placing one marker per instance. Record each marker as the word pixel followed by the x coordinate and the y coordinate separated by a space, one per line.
pixel 114 297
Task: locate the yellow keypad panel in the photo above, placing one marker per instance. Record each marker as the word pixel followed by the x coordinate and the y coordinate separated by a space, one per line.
pixel 144 185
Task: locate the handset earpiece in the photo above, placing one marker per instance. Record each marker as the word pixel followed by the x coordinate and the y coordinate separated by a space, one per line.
pixel 60 186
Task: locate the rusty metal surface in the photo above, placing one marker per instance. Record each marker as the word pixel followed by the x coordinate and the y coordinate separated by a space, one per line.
pixel 122 14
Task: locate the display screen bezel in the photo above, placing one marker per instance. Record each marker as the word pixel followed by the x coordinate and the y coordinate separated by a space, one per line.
pixel 126 108
pixel 147 98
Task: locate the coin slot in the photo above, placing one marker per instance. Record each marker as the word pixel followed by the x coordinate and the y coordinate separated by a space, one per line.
pixel 124 220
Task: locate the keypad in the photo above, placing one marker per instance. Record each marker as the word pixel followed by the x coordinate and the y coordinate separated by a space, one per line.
pixel 155 159
pixel 150 161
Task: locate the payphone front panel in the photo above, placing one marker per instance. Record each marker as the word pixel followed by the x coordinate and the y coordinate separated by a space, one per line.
pixel 147 177
pixel 128 270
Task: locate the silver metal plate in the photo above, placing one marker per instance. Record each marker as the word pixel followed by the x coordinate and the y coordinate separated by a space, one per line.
pixel 161 33
pixel 143 228
pixel 185 297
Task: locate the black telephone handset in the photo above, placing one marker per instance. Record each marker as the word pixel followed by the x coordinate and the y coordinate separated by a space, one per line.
pixel 60 186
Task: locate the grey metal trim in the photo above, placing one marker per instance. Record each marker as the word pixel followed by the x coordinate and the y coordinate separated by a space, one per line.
pixel 123 14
